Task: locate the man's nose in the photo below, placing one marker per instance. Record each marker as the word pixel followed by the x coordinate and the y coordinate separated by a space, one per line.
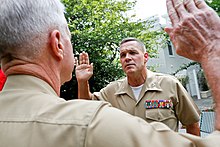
pixel 127 56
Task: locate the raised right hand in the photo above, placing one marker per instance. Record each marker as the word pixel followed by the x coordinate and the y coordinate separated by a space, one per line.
pixel 84 70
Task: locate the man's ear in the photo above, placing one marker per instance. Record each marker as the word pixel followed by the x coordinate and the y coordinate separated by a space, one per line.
pixel 146 57
pixel 56 45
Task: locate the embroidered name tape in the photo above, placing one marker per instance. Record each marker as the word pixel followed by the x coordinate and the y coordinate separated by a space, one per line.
pixel 151 104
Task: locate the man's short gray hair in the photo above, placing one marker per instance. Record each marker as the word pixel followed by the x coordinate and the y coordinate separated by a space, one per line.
pixel 24 24
pixel 143 48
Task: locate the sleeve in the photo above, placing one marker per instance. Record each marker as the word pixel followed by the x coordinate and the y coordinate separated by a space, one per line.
pixel 186 109
pixel 111 127
pixel 99 96
pixel 105 94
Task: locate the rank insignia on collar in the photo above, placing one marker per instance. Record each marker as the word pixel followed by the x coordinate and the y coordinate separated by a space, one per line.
pixel 164 104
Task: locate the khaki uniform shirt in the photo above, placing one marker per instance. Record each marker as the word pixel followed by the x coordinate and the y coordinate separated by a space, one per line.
pixel 176 104
pixel 32 115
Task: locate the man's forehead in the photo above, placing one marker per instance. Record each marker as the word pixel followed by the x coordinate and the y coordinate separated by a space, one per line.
pixel 131 45
pixel 128 48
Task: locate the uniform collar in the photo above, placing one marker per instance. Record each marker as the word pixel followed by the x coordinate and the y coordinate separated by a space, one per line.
pixel 27 82
pixel 151 84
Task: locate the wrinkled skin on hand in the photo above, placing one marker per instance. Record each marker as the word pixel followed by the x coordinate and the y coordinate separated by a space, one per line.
pixel 195 33
pixel 195 29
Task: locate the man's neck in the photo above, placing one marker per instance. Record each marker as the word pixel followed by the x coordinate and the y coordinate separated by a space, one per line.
pixel 137 79
pixel 36 70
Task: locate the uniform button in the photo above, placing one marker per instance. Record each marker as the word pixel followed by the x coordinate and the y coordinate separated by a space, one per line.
pixel 153 85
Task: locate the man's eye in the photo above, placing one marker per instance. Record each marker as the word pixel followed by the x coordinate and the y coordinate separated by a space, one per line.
pixel 122 55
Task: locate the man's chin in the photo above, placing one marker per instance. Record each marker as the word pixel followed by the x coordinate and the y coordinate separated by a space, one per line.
pixel 129 71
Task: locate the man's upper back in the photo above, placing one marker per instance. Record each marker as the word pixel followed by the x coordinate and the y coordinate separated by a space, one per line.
pixel 32 115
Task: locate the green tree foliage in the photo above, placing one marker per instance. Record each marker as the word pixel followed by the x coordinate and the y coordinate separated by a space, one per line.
pixel 97 27
pixel 215 4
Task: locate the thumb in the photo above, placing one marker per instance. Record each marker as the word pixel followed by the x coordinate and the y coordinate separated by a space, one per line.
pixel 91 66
pixel 168 30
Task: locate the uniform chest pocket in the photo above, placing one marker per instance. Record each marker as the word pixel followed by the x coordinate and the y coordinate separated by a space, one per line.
pixel 159 114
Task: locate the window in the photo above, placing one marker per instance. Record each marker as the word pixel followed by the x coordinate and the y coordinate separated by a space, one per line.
pixel 170 49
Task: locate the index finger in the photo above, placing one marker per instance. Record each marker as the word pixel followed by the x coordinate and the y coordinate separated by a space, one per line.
pixel 87 58
pixel 201 4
